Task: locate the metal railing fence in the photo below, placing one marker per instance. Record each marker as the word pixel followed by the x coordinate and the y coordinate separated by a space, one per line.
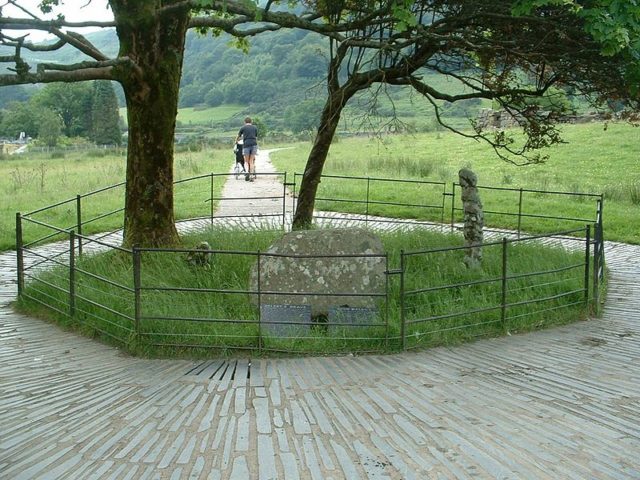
pixel 249 317
pixel 58 278
pixel 498 297
pixel 517 205
pixel 370 199
pixel 195 198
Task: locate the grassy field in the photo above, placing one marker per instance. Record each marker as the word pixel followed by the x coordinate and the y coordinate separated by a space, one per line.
pixel 211 115
pixel 204 116
pixel 593 160
pixel 29 183
pixel 178 319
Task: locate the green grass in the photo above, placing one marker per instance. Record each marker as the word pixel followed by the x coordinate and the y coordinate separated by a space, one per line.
pixel 29 183
pixel 204 116
pixel 592 161
pixel 225 319
pixel 210 116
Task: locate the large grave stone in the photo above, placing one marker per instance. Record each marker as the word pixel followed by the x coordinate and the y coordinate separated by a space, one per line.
pixel 322 268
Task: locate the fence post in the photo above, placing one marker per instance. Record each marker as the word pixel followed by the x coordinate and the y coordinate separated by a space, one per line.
pixel 136 289
pixel 402 305
pixel 503 309
pixel 294 196
pixel 259 305
pixel 366 212
pixel 587 264
pixel 211 199
pixel 519 212
pixel 597 245
pixel 72 273
pixel 453 203
pixel 599 234
pixel 79 223
pixel 284 201
pixel 444 199
pixel 386 302
pixel 19 254
pixel 598 253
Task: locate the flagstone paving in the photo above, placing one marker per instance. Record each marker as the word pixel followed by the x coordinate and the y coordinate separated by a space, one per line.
pixel 562 403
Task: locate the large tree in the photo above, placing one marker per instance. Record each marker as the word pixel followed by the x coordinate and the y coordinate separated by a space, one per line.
pixel 511 52
pixel 148 65
pixel 485 44
pixel 49 127
pixel 19 117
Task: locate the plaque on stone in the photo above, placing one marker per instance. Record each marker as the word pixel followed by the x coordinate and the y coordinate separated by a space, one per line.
pixel 340 317
pixel 285 320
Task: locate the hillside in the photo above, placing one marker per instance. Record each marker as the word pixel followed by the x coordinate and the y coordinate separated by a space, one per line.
pixel 280 80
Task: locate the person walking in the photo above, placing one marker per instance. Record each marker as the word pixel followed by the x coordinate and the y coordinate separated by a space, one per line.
pixel 249 135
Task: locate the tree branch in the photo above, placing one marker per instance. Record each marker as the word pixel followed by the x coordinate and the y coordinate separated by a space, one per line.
pixel 244 14
pixel 103 73
pixel 38 24
pixel 43 67
pixel 72 38
pixel 14 42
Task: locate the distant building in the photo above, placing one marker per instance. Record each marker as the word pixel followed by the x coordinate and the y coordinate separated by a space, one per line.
pixel 10 148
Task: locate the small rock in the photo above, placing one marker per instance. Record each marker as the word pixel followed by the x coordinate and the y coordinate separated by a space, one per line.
pixel 200 255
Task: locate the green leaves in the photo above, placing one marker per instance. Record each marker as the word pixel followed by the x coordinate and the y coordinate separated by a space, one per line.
pixel 251 5
pixel 241 43
pixel 526 7
pixel 614 23
pixel 401 11
pixel 47 5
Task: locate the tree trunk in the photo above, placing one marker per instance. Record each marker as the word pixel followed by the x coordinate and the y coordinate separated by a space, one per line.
pixel 333 107
pixel 154 41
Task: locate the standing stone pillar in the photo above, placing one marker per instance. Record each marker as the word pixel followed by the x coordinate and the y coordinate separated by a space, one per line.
pixel 473 218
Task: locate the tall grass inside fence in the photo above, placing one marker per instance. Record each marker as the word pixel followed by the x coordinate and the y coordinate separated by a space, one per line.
pixel 173 307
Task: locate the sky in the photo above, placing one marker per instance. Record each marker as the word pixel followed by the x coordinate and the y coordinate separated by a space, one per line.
pixel 73 10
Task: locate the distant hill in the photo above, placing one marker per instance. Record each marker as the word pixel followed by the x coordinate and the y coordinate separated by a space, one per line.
pixel 280 66
pixel 282 69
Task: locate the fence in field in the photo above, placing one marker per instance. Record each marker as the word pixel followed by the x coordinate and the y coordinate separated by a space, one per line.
pixel 407 313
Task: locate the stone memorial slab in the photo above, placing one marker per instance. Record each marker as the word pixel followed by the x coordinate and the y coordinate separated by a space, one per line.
pixel 340 317
pixel 322 268
pixel 285 320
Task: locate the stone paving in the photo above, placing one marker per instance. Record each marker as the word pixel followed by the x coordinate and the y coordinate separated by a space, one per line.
pixel 563 403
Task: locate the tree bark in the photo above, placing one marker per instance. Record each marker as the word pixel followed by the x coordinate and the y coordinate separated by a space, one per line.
pixel 336 101
pixel 154 42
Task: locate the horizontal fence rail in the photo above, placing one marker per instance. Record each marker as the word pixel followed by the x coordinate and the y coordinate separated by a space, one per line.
pixel 244 319
pixel 367 197
pixel 521 204
pixel 55 271
pixel 431 310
